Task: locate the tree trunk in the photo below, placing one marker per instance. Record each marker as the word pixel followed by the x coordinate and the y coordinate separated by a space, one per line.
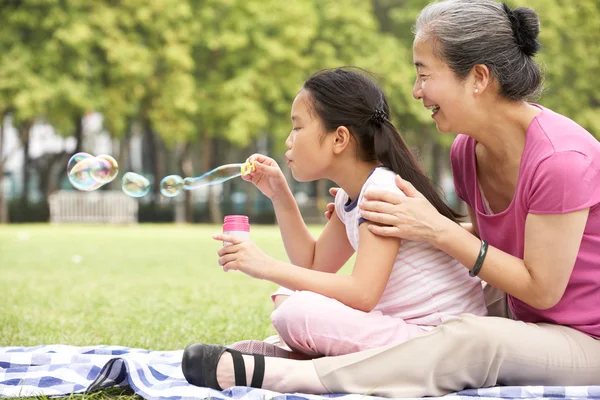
pixel 78 132
pixel 3 203
pixel 24 134
pixel 214 211
pixel 154 160
pixel 122 155
pixel 187 168
pixel 56 169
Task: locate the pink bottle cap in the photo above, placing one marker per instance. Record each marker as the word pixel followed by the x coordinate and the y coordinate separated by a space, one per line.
pixel 236 223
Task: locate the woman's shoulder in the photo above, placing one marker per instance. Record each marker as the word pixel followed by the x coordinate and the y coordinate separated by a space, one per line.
pixel 558 133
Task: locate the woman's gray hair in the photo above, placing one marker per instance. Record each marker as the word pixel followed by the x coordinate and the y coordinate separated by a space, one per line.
pixel 470 32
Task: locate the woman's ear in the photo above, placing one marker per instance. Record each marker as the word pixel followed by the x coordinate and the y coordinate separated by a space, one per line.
pixel 341 139
pixel 481 78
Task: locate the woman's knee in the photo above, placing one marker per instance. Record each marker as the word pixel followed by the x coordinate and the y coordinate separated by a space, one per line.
pixel 479 334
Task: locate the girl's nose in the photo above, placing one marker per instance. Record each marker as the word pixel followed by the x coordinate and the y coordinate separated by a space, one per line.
pixel 289 141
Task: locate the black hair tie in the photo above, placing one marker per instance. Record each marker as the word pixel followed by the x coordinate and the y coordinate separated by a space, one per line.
pixel 379 117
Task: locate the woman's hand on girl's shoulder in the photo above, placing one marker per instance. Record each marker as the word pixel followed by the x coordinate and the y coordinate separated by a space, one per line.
pixel 410 217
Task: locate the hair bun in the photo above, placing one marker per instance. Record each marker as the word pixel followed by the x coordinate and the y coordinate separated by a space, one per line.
pixel 526 28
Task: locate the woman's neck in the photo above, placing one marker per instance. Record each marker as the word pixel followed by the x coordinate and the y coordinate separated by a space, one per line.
pixel 351 175
pixel 503 130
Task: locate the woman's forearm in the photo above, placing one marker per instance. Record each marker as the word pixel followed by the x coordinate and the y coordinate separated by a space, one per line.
pixel 341 287
pixel 500 269
pixel 298 242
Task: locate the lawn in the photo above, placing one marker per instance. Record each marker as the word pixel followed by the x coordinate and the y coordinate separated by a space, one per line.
pixel 156 287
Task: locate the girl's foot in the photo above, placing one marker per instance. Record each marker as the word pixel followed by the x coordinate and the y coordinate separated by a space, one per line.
pixel 199 366
pixel 218 367
pixel 259 347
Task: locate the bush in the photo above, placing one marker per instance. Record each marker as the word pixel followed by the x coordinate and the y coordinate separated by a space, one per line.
pixel 20 212
pixel 156 213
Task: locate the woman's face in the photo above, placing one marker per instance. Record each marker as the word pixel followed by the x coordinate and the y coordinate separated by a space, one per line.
pixel 440 90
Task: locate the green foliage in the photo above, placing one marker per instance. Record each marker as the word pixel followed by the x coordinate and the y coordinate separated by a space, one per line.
pixel 231 68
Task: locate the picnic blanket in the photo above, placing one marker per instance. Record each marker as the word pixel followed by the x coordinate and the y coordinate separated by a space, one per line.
pixel 60 370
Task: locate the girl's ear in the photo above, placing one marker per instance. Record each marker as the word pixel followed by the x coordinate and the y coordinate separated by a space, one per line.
pixel 341 139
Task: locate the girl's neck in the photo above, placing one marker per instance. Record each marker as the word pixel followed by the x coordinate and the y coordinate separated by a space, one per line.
pixel 351 175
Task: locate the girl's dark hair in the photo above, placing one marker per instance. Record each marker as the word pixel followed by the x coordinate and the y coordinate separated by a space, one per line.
pixel 348 97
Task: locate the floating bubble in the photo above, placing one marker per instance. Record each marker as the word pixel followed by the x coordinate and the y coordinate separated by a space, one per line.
pixel 171 185
pixel 87 173
pixel 135 185
pixel 105 169
pixel 81 177
pixel 214 177
pixel 77 157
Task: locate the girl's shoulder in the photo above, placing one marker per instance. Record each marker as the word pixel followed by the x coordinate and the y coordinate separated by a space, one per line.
pixel 382 178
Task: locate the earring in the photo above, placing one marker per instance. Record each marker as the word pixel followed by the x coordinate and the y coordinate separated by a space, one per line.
pixel 476 90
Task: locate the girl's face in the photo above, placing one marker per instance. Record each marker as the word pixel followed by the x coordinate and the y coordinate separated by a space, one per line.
pixel 308 157
pixel 447 97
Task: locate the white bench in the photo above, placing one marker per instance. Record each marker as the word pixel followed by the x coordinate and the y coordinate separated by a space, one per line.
pixel 103 207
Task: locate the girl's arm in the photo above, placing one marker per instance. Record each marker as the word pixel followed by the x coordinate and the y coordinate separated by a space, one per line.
pixel 362 289
pixel 327 254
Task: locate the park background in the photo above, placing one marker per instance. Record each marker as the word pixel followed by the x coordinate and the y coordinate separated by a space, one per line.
pixel 183 86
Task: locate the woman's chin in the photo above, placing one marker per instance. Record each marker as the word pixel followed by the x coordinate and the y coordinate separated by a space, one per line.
pixel 443 128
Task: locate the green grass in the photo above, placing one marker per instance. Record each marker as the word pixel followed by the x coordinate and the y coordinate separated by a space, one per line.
pixel 150 286
pixel 155 287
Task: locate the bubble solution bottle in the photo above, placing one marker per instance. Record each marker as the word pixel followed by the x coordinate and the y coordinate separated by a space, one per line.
pixel 236 225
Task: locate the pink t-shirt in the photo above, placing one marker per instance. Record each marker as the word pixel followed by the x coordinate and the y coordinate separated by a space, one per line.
pixel 559 173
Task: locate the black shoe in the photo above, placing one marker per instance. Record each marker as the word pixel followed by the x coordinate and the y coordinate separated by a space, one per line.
pixel 199 366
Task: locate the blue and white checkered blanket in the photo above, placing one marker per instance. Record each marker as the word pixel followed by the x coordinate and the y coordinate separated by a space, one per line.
pixel 56 370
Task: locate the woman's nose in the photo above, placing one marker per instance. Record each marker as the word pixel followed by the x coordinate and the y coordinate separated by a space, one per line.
pixel 417 90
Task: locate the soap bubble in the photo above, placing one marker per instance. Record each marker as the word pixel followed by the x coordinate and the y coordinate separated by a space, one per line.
pixel 105 169
pixel 135 185
pixel 87 173
pixel 81 177
pixel 214 177
pixel 171 185
pixel 75 158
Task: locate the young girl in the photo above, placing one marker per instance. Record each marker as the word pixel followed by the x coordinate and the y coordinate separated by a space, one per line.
pixel 341 131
